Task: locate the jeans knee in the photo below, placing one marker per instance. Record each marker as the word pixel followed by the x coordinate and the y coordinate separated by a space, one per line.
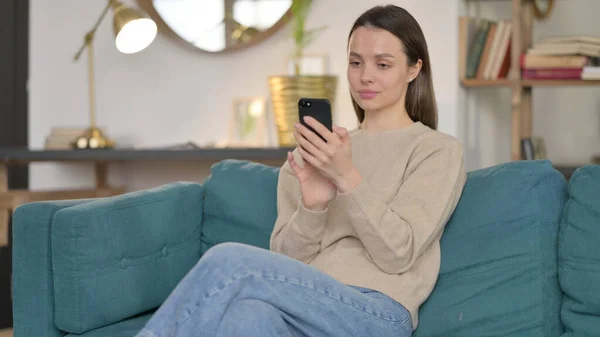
pixel 250 307
pixel 227 253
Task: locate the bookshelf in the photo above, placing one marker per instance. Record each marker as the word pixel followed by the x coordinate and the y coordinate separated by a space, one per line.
pixel 519 41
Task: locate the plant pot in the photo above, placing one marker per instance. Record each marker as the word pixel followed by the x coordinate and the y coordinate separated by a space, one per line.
pixel 286 91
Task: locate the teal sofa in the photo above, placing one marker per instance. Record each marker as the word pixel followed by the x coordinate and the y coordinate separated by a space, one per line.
pixel 520 254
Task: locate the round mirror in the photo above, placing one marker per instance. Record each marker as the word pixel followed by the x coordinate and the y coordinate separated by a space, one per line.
pixel 218 25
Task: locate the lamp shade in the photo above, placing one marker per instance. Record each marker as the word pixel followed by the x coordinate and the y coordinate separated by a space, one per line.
pixel 134 31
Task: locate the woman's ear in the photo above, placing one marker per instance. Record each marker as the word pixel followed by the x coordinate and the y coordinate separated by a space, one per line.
pixel 414 70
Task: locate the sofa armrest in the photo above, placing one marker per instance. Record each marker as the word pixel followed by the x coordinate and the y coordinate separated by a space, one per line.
pixel 32 285
pixel 113 258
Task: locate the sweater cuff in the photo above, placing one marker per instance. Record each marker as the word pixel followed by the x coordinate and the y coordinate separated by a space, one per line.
pixel 310 222
pixel 360 198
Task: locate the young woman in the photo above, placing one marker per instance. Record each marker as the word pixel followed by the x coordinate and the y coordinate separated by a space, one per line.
pixel 355 249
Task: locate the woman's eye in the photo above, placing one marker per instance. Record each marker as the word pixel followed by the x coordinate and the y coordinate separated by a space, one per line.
pixel 383 65
pixel 355 63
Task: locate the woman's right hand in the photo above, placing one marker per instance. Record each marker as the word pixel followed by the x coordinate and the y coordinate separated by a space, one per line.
pixel 317 191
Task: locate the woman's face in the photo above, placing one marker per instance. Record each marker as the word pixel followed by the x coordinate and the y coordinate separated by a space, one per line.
pixel 378 71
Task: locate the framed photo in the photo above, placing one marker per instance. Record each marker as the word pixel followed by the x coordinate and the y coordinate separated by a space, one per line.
pixel 310 65
pixel 248 123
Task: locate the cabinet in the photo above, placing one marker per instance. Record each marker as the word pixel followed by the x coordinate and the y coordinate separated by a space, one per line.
pixel 522 19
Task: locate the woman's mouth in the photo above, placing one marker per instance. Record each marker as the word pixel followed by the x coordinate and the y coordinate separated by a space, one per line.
pixel 367 94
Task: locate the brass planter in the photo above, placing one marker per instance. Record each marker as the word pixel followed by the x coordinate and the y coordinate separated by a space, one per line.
pixel 285 93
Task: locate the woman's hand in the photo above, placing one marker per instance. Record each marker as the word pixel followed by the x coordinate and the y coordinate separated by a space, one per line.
pixel 317 191
pixel 333 159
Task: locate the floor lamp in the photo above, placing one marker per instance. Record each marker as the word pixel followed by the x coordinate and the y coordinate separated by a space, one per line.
pixel 134 31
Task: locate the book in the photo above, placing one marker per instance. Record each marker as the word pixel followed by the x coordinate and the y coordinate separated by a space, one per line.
pixel 484 48
pixel 552 73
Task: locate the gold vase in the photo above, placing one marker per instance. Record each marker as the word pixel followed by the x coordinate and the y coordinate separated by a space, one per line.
pixel 285 93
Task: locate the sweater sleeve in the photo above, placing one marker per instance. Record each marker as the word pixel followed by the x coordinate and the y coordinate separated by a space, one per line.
pixel 395 234
pixel 298 231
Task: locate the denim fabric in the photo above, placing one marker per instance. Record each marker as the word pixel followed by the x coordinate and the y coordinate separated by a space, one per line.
pixel 241 290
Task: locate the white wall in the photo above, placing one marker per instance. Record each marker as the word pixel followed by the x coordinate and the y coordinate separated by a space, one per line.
pixel 167 94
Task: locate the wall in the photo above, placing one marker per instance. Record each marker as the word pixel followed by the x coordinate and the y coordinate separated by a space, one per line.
pixel 167 94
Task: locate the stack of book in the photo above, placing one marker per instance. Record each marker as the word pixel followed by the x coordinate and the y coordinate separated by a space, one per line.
pixel 61 138
pixel 563 58
pixel 484 48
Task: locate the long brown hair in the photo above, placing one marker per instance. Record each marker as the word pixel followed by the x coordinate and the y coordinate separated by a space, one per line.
pixel 420 97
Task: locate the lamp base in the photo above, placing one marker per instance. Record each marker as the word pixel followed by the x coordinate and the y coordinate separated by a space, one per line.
pixel 93 138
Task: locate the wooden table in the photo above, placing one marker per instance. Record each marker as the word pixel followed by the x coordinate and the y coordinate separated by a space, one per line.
pixel 11 199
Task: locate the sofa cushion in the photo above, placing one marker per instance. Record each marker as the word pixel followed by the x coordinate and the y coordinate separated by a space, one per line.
pixel 117 257
pixel 240 204
pixel 498 274
pixel 579 254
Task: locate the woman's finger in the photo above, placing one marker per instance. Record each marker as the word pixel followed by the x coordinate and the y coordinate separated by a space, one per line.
pixel 321 129
pixel 311 137
pixel 293 163
pixel 306 145
pixel 309 157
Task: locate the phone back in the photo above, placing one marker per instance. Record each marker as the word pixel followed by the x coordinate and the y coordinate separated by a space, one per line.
pixel 317 108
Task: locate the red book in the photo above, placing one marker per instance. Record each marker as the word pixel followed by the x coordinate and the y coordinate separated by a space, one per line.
pixel 552 73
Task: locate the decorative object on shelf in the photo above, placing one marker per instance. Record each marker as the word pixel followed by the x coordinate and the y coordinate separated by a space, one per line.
pixel 542 8
pixel 533 148
pixel 133 33
pixel 287 90
pixel 218 26
pixel 248 123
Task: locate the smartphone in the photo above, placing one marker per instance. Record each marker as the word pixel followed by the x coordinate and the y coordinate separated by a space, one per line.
pixel 317 108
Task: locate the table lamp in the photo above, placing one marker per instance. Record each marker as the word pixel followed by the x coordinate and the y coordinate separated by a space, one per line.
pixel 134 32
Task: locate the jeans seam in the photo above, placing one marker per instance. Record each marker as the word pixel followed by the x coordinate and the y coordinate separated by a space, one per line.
pixel 390 319
pixel 209 295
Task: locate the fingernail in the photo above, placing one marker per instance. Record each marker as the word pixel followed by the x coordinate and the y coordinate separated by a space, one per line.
pixel 296 125
pixel 306 118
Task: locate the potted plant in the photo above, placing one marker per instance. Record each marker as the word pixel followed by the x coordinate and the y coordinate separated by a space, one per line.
pixel 286 90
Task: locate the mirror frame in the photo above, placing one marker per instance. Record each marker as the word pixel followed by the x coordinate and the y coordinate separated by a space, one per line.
pixel 163 28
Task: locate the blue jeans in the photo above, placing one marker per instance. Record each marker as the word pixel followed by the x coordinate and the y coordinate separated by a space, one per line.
pixel 240 290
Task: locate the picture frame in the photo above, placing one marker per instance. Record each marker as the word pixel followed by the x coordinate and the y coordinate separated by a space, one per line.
pixel 248 123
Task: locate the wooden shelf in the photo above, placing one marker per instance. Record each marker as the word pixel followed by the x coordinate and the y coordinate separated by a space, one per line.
pixel 24 155
pixel 548 83
pixel 475 83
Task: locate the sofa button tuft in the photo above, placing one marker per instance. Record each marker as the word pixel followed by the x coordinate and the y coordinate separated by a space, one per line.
pixel 123 263
pixel 165 251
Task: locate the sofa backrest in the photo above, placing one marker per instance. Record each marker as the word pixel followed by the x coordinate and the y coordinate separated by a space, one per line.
pixel 499 256
pixel 579 254
pixel 240 204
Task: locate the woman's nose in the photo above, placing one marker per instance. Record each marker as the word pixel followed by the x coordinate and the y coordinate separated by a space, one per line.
pixel 367 74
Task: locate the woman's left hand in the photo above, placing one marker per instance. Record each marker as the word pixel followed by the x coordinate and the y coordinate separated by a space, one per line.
pixel 332 158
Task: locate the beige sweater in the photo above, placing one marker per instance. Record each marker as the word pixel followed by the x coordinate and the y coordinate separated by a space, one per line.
pixel 384 234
